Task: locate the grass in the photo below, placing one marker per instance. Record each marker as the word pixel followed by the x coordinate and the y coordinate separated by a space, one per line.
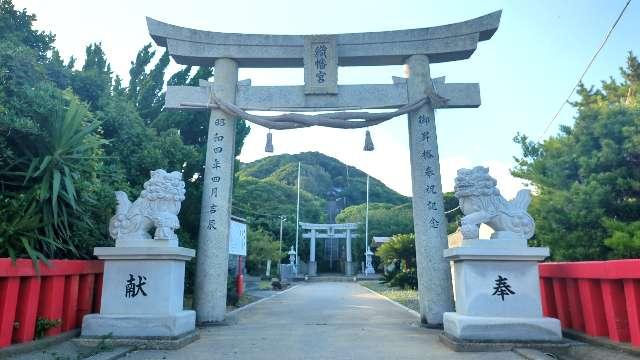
pixel 264 285
pixel 244 300
pixel 408 297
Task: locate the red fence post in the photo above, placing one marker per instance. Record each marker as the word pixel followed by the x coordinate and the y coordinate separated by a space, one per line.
pixel 632 294
pixel 615 310
pixel 28 309
pixel 9 288
pixel 562 303
pixel 97 299
pixel 85 296
pixel 51 300
pixel 69 314
pixel 546 294
pixel 595 321
pixel 575 305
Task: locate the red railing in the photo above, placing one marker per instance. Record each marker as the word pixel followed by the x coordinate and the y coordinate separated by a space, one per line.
pixel 65 291
pixel 599 298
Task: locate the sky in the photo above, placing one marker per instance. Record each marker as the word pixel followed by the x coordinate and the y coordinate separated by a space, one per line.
pixel 525 71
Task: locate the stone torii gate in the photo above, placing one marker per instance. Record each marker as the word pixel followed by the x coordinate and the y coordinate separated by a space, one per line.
pixel 328 231
pixel 321 55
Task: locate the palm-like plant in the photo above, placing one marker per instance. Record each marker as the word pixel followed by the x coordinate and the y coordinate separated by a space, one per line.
pixel 48 171
pixel 20 223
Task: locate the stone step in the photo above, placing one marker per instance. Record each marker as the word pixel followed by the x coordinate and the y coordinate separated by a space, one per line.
pixel 342 278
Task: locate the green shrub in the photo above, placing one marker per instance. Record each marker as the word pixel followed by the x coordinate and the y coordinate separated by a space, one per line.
pixel 261 246
pixel 44 324
pixel 405 280
pixel 276 284
pixel 401 247
pixel 388 276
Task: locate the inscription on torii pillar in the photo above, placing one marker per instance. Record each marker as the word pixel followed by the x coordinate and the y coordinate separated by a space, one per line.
pixel 321 55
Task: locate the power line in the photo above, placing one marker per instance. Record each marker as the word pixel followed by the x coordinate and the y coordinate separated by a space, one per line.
pixel 593 58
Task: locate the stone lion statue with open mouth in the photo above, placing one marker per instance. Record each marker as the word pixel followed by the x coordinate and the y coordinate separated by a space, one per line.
pixel 481 203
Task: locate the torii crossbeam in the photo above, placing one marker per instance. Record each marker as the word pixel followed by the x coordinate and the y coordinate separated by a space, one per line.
pixel 321 55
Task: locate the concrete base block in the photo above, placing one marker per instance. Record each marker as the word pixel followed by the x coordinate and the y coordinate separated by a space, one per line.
pixel 459 345
pixel 502 328
pixel 140 326
pixel 148 343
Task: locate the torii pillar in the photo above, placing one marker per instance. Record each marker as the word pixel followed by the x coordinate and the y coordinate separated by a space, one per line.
pixel 215 214
pixel 430 223
pixel 349 263
pixel 313 265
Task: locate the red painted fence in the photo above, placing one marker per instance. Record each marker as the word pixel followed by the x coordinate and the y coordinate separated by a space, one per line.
pixel 66 290
pixel 599 298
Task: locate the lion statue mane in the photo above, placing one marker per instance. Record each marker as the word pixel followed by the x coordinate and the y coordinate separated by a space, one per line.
pixel 481 202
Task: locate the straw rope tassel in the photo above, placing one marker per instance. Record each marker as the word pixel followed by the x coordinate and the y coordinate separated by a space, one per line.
pixel 269 146
pixel 368 143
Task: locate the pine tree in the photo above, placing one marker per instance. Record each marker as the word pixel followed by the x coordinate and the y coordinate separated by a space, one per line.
pixel 588 176
pixel 93 83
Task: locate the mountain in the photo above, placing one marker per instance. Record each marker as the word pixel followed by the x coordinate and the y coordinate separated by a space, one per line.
pixel 265 190
pixel 324 177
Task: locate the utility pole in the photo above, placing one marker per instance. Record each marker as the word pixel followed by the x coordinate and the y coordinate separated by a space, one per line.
pixel 282 220
pixel 367 252
pixel 297 219
pixel 366 220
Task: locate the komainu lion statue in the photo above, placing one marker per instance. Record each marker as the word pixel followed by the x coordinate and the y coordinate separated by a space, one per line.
pixel 481 202
pixel 157 207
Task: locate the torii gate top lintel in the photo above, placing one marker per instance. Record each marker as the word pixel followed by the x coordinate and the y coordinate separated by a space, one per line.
pixel 321 55
pixel 442 43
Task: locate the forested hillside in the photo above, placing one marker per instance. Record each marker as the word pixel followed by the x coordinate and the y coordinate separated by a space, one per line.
pixel 322 176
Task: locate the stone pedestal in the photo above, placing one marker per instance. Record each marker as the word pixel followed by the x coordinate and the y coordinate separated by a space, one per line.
pixel 142 294
pixel 497 293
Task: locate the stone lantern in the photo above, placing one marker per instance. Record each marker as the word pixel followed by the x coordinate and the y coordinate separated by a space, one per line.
pixel 292 260
pixel 292 256
pixel 368 269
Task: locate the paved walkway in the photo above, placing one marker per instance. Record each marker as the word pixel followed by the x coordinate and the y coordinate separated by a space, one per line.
pixel 320 321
